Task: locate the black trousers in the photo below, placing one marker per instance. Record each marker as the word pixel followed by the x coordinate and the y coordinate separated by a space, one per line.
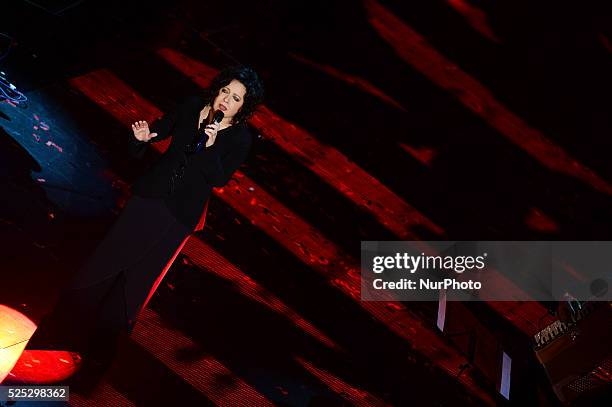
pixel 104 297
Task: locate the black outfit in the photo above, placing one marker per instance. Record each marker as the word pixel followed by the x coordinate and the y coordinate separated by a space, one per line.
pixel 213 167
pixel 104 298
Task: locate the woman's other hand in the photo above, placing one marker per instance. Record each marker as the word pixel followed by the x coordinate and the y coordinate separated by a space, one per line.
pixel 141 131
pixel 211 130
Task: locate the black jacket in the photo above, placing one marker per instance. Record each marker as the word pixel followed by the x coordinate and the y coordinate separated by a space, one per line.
pixel 186 191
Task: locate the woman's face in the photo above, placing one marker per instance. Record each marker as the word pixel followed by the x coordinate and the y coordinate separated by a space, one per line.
pixel 230 99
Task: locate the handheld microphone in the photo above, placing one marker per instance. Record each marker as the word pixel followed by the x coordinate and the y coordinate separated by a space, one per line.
pixel 218 117
pixel 202 137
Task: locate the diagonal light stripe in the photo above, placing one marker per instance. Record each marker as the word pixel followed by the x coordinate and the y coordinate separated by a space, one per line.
pixel 415 50
pixel 207 374
pixel 103 394
pixel 206 257
pixel 475 17
pixel 352 394
pixel 353 80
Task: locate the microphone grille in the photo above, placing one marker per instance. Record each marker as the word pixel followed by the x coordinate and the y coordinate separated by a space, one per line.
pixel 218 116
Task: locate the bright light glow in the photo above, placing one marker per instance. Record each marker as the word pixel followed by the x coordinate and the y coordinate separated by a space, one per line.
pixel 29 366
pixel 15 330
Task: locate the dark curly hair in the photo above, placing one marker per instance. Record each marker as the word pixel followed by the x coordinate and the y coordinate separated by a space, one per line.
pixel 251 81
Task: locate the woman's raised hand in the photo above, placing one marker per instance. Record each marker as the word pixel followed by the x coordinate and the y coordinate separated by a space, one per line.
pixel 141 131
